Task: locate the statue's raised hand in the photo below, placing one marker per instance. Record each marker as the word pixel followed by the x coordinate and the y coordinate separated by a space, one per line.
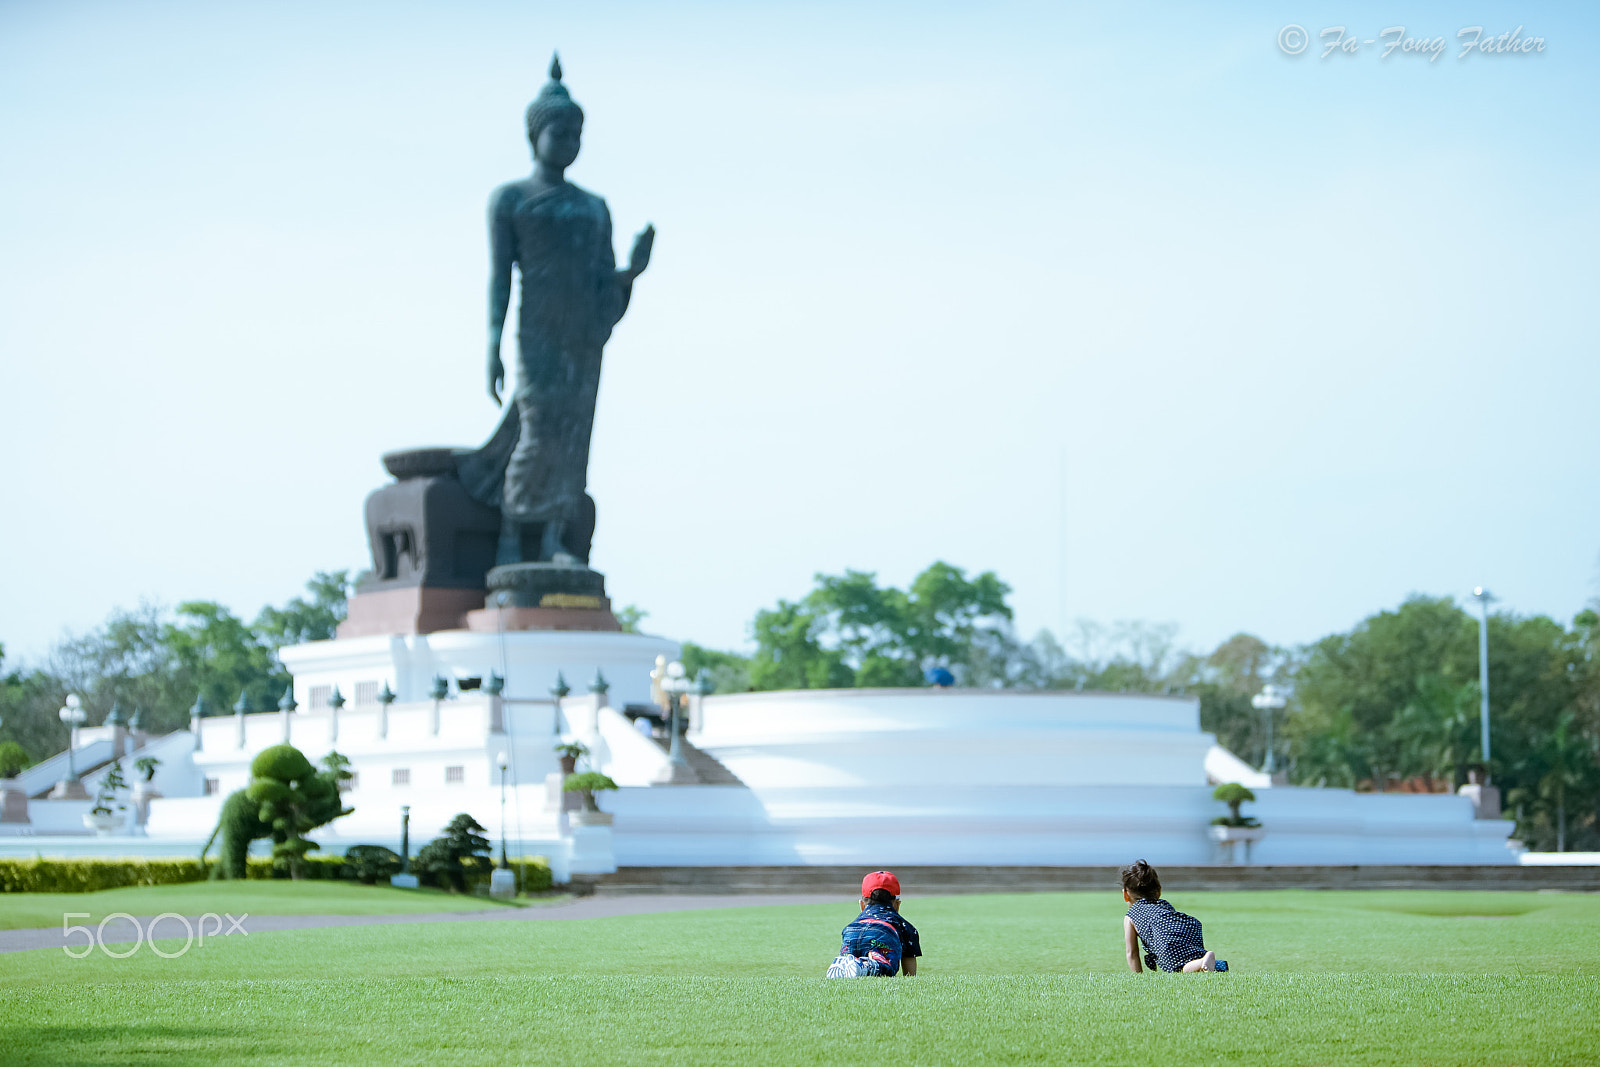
pixel 640 259
pixel 497 374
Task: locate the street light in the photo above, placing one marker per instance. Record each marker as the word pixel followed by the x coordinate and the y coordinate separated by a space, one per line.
pixel 1483 596
pixel 1269 701
pixel 504 866
pixel 73 715
pixel 676 685
pixel 405 879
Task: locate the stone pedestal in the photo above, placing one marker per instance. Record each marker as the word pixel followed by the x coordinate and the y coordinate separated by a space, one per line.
pixel 13 803
pixel 544 596
pixel 503 883
pixel 1485 799
pixel 1228 838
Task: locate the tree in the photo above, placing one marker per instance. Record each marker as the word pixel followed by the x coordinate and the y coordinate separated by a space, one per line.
pixel 789 651
pixel 629 617
pixel 295 799
pixel 29 702
pixel 461 851
pixel 13 760
pixel 315 617
pixel 1397 697
pixel 729 672
pixel 849 631
pixel 157 660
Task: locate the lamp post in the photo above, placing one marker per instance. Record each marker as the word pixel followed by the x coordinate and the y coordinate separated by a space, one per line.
pixel 1483 596
pixel 405 879
pixel 69 787
pixel 558 693
pixel 676 685
pixel 73 715
pixel 504 866
pixel 1269 701
pixel 502 882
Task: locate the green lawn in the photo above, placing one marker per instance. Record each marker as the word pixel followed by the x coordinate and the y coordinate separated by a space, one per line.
pixel 24 911
pixel 1319 978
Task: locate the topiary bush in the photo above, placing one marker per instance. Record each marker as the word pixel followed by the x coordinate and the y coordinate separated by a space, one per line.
pixel 369 864
pixel 462 852
pixel 1233 794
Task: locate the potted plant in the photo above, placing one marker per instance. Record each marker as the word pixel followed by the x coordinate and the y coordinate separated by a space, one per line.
pixel 569 753
pixel 588 784
pixel 1230 829
pixel 102 818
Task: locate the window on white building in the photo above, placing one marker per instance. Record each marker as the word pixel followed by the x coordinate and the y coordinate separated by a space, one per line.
pixel 402 776
pixel 353 782
pixel 455 775
pixel 366 692
pixel 317 699
pixel 213 787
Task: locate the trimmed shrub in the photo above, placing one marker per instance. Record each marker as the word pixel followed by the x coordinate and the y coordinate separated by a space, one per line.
pixel 462 853
pixel 370 863
pixel 93 875
pixel 533 874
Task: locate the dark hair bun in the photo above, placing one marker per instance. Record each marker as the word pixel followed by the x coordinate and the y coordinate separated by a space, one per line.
pixel 1140 879
pixel 881 896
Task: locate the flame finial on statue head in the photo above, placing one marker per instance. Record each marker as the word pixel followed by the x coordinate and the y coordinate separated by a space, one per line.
pixel 553 101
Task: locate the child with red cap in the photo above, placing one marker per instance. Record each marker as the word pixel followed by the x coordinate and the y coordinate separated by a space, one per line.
pixel 879 944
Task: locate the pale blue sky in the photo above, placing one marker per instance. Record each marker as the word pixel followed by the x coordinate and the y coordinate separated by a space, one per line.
pixel 1128 306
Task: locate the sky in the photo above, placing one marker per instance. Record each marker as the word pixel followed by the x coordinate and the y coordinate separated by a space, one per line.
pixel 1133 307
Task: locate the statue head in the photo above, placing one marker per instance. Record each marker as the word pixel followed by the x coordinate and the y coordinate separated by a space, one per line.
pixel 555 122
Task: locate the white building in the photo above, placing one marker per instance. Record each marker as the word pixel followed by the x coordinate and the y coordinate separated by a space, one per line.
pixel 868 777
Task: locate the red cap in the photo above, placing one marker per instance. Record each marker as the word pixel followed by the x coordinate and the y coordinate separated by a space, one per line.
pixel 880 880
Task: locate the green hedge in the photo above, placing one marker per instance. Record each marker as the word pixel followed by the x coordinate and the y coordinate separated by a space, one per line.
pixel 92 875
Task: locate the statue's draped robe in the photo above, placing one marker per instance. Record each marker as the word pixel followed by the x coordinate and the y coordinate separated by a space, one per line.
pixel 535 466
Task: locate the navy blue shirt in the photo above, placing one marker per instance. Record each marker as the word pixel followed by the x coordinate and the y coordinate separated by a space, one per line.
pixel 880 936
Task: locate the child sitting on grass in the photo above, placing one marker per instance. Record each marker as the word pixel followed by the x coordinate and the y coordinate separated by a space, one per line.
pixel 1171 939
pixel 879 943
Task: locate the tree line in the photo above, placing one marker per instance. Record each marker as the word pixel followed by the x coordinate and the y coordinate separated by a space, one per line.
pixel 155 662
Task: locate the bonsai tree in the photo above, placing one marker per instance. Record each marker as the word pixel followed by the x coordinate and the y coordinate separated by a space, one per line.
pixel 294 799
pixel 1233 794
pixel 147 766
pixel 462 849
pixel 13 759
pixel 371 862
pixel 110 785
pixel 336 767
pixel 588 783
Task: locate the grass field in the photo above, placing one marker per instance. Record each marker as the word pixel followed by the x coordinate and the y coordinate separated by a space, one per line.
pixel 25 911
pixel 1319 978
